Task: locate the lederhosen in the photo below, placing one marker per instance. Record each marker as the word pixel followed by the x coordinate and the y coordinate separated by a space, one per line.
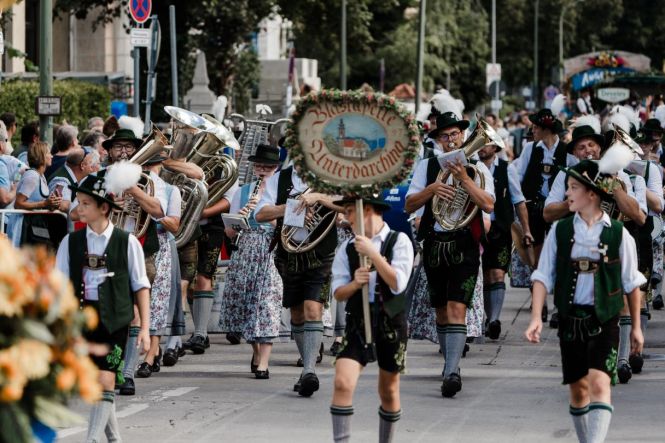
pixel 388 318
pixel 588 334
pixel 304 275
pixel 532 184
pixel 498 246
pixel 451 258
pixel 209 243
pixel 115 305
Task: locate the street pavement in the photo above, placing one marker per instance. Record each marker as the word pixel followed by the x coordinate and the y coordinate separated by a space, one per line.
pixel 511 392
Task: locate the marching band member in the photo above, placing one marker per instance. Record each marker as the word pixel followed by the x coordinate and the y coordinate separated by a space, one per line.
pixel 303 274
pixel 497 249
pixel 537 168
pixel 452 258
pixel 106 266
pixel 252 299
pixel 391 255
pixel 588 260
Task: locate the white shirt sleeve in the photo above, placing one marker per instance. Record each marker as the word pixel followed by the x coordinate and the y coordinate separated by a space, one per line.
pixel 655 184
pixel 514 186
pixel 138 278
pixel 269 196
pixel 640 191
pixel 523 160
pixel 419 180
pixel 558 192
pixel 489 179
pixel 175 203
pixel 631 278
pixel 29 182
pixel 546 272
pixel 402 262
pixel 228 195
pixel 235 202
pixel 341 273
pixel 62 257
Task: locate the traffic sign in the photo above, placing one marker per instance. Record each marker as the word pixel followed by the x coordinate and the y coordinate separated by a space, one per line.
pixel 140 37
pixel 48 105
pixel 140 10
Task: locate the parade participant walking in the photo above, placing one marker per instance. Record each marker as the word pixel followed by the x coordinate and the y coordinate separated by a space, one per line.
pixel 252 299
pixel 496 254
pixel 452 256
pixel 391 255
pixel 303 274
pixel 106 267
pixel 588 260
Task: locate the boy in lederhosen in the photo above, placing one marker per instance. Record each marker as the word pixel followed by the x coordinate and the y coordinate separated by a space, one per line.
pixel 589 261
pixel 107 268
pixel 391 255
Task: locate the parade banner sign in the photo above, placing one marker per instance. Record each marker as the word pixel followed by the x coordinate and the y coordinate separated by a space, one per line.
pixel 349 142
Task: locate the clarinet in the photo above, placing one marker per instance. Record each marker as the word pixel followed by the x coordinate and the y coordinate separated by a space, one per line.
pixel 254 194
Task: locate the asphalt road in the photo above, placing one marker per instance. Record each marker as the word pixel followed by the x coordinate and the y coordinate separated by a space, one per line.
pixel 512 392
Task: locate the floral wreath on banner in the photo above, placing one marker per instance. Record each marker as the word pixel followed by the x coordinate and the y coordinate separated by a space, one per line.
pixel 383 101
pixel 606 60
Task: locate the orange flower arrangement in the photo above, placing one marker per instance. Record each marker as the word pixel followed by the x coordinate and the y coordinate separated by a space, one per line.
pixel 43 357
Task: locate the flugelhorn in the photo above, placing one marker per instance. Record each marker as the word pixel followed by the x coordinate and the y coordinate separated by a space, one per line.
pixel 295 240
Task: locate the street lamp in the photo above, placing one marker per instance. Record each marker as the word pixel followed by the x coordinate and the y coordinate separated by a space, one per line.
pixel 564 7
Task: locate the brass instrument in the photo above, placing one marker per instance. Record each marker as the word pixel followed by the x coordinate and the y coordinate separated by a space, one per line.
pixel 621 136
pixel 611 207
pixel 201 141
pixel 460 211
pixel 132 217
pixel 254 133
pixel 317 227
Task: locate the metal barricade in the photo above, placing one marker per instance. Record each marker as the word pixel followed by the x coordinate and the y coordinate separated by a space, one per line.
pixel 26 213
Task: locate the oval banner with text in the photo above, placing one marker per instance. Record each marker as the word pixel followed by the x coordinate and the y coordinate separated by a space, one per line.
pixel 350 142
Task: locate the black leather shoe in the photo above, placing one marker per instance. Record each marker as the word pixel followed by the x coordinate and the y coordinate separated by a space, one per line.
pixel 309 384
pixel 319 359
pixel 156 365
pixel 233 338
pixel 299 363
pixel 252 366
pixel 170 357
pixel 451 385
pixel 466 349
pixel 187 344
pixel 624 373
pixel 657 302
pixel 636 362
pixel 334 349
pixel 262 375
pixel 494 330
pixel 296 387
pixel 207 342
pixel 544 314
pixel 128 387
pixel 181 351
pixel 554 320
pixel 197 344
pixel 144 370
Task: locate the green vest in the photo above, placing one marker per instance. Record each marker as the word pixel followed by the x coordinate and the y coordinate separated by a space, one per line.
pixel 608 290
pixel 116 302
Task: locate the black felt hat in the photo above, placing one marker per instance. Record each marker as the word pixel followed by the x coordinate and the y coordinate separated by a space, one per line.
pixel 447 120
pixel 585 131
pixel 587 173
pixel 95 187
pixel 377 202
pixel 545 119
pixel 265 154
pixel 122 135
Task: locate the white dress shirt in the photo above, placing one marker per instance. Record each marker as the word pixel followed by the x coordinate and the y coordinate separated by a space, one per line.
pixel 228 196
pixel 401 262
pixel 558 192
pixel 97 244
pixel 548 158
pixel 655 184
pixel 586 243
pixel 514 188
pixel 419 182
pixel 269 197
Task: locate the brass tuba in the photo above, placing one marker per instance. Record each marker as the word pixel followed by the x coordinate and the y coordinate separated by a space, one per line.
pixel 132 217
pixel 460 211
pixel 296 240
pixel 201 142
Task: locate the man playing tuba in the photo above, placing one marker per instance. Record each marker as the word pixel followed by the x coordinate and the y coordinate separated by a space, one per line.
pixel 451 256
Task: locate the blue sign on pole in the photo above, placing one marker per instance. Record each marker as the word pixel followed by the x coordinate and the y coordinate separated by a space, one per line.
pixel 140 10
pixel 592 76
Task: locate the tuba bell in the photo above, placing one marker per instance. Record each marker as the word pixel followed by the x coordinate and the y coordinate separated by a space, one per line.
pixel 297 240
pixel 459 211
pixel 132 217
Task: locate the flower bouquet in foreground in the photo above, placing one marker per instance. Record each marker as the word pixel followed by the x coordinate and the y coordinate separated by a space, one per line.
pixel 43 356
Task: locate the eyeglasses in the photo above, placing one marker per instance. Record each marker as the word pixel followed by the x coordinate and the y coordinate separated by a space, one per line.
pixel 264 167
pixel 126 148
pixel 450 136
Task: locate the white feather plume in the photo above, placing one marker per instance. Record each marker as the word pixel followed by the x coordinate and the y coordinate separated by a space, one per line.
pixel 616 119
pixel 587 120
pixel 122 176
pixel 135 124
pixel 632 116
pixel 557 105
pixel 444 102
pixel 615 159
pixel 660 115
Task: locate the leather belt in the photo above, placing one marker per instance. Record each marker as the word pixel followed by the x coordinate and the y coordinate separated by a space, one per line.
pixel 585 265
pixel 548 169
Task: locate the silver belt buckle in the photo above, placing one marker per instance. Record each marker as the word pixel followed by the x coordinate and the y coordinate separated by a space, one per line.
pixel 547 169
pixel 584 265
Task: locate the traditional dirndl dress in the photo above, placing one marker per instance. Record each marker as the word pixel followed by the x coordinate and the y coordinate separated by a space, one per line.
pixel 160 293
pixel 252 299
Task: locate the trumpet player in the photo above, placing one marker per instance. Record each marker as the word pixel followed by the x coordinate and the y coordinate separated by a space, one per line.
pixel 451 257
pixel 303 273
pixel 252 299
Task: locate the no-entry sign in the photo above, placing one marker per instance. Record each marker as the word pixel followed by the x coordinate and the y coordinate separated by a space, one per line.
pixel 140 10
